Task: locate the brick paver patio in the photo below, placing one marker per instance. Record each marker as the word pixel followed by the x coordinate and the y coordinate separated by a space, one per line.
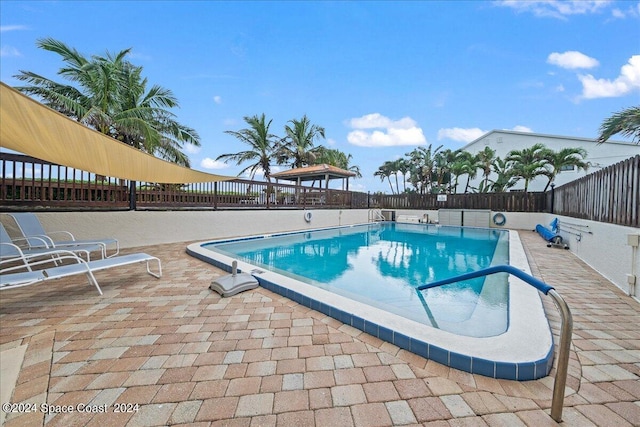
pixel 183 355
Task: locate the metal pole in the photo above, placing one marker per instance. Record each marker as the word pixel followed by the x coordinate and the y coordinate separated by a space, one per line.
pixel 132 195
pixel 563 356
pixel 566 328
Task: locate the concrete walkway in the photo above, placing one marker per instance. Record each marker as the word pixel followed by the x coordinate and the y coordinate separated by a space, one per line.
pixel 166 352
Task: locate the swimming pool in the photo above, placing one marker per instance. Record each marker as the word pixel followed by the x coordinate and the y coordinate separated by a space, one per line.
pixel 382 264
pixel 366 275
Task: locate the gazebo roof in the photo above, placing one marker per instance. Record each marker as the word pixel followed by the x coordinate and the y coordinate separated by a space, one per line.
pixel 312 173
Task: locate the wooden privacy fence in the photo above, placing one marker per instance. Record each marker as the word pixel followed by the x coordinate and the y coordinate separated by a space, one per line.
pixel 609 195
pixel 510 202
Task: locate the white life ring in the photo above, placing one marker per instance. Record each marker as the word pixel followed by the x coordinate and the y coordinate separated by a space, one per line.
pixel 499 219
pixel 307 216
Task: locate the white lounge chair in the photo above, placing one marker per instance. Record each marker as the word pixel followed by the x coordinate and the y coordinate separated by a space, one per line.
pixel 30 227
pixel 41 248
pixel 11 277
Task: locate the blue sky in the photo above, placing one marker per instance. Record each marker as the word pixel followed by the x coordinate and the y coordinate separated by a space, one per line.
pixel 380 77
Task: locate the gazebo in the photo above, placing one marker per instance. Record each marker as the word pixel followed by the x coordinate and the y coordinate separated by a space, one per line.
pixel 315 173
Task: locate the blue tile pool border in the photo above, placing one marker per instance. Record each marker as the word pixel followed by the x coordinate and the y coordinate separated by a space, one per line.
pixel 496 369
pixel 475 365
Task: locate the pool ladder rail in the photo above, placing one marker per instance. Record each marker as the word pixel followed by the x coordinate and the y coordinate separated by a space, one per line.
pixel 565 330
pixel 375 215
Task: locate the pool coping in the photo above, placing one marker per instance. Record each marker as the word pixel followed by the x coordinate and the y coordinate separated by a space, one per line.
pixel 523 352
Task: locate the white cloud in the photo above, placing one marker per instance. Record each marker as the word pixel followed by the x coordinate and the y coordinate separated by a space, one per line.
pixel 376 130
pixel 217 99
pixel 377 120
pixel 520 128
pixel 572 60
pixel 5 28
pixel 460 134
pixel 191 149
pixel 9 51
pixel 631 11
pixel 626 82
pixel 209 163
pixel 559 9
pixel 617 13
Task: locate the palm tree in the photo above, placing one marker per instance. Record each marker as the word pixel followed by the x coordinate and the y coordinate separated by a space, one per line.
pixel 465 163
pixel 111 97
pixel 528 163
pixel 402 166
pixel 485 159
pixel 442 167
pixel 458 167
pixel 385 171
pixel 504 180
pixel 334 157
pixel 556 160
pixel 299 142
pixel 263 147
pixel 395 170
pixel 422 160
pixel 625 122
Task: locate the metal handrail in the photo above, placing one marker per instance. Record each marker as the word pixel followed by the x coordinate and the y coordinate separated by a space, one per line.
pixel 565 330
pixel 375 215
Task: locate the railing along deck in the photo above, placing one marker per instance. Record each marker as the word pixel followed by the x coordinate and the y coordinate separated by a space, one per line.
pixel 30 183
pixel 611 195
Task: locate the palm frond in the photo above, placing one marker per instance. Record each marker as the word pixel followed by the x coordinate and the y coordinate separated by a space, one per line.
pixel 625 122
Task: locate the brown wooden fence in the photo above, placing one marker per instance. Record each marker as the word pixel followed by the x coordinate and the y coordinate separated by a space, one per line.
pixel 609 195
pixel 28 183
pixel 31 183
pixel 510 202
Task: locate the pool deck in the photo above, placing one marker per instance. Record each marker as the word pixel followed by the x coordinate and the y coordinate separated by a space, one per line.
pixel 187 356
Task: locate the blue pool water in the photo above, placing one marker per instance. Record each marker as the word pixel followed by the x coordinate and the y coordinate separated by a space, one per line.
pixel 382 264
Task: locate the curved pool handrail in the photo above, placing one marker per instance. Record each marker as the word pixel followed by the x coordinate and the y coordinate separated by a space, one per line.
pixel 536 283
pixel 565 331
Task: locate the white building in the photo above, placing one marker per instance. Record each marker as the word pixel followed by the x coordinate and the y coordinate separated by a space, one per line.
pixel 504 141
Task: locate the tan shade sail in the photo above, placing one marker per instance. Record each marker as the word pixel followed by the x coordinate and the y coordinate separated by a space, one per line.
pixel 31 128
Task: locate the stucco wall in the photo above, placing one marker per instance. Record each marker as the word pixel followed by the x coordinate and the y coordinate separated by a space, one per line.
pixel 604 247
pixel 141 228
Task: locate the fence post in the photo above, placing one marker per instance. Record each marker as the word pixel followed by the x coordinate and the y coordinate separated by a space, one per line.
pixel 215 195
pixel 132 195
pixel 553 194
